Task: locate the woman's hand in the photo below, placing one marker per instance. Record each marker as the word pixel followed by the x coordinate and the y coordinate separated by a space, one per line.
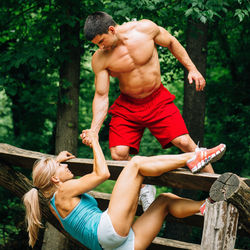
pixel 64 156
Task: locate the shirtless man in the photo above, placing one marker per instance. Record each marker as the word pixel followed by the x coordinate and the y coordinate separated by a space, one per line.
pixel 129 52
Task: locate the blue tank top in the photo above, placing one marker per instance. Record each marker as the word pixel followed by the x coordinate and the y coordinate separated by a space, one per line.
pixel 82 222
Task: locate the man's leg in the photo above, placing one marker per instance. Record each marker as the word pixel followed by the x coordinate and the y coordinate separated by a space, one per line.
pixel 186 144
pixel 120 153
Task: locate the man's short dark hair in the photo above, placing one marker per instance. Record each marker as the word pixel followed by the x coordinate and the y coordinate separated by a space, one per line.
pixel 97 24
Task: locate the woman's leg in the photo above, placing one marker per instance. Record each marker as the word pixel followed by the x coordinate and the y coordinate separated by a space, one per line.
pixel 149 224
pixel 124 198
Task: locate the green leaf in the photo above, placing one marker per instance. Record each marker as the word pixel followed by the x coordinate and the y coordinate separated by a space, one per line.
pixel 188 12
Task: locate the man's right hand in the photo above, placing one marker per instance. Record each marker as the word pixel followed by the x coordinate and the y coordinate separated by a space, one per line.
pixel 87 136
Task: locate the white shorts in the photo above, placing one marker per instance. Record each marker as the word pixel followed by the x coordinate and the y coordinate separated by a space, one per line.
pixel 109 239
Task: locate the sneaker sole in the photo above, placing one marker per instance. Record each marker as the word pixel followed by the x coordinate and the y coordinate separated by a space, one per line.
pixel 213 158
pixel 218 154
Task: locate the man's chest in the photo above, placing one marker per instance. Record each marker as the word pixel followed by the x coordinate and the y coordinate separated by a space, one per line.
pixel 130 55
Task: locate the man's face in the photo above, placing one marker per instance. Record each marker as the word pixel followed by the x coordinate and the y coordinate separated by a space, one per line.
pixel 106 41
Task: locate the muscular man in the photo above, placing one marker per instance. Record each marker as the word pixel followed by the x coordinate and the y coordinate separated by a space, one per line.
pixel 129 52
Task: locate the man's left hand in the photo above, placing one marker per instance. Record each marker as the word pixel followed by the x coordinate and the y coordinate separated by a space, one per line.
pixel 195 75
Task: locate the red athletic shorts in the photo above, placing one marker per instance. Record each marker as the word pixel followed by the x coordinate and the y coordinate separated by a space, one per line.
pixel 157 112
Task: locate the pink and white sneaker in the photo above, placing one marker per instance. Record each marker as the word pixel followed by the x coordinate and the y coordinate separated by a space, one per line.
pixel 204 156
pixel 203 206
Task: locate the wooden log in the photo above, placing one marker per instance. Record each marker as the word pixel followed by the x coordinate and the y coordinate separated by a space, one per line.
pixel 180 178
pixel 220 226
pixel 229 187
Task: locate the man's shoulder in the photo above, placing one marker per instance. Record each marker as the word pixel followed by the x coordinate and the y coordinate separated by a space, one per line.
pixel 145 26
pixel 98 60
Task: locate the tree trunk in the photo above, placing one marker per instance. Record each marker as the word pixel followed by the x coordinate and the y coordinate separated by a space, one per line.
pixel 194 102
pixel 67 108
pixel 193 110
pixel 68 102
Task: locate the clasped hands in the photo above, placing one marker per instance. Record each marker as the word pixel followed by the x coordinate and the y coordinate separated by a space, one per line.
pixel 88 136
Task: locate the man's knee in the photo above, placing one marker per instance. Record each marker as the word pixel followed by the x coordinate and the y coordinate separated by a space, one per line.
pixel 185 143
pixel 120 153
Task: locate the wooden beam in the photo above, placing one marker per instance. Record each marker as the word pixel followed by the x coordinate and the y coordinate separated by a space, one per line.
pixel 180 178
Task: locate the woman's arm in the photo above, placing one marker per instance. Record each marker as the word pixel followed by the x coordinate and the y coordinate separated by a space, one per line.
pixel 99 174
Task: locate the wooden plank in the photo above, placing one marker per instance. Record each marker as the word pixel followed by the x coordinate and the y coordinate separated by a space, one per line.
pixel 220 226
pixel 180 178
pixel 163 243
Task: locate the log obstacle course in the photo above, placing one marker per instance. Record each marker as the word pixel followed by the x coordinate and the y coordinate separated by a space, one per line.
pixel 222 219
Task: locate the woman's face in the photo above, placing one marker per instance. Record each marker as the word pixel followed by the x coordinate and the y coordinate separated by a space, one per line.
pixel 62 172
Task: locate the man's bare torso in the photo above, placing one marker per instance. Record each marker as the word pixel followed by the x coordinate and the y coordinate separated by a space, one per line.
pixel 134 60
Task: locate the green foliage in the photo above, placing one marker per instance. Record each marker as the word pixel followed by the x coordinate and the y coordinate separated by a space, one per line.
pixel 227 118
pixel 10 216
pixel 31 55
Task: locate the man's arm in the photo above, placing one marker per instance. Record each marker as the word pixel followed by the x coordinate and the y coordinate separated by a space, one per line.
pixel 101 100
pixel 165 39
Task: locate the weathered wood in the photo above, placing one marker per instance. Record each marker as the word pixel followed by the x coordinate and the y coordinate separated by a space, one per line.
pixel 220 226
pixel 180 178
pixel 229 187
pixel 161 243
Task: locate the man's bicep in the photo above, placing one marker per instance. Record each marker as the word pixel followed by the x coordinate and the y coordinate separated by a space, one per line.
pixel 102 83
pixel 163 37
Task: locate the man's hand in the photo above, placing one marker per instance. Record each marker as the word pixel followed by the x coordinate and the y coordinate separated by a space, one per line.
pixel 87 136
pixel 195 75
pixel 64 156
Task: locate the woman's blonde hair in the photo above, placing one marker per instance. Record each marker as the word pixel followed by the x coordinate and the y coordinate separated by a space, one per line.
pixel 42 172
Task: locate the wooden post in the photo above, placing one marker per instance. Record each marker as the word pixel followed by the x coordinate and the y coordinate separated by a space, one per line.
pixel 229 187
pixel 220 226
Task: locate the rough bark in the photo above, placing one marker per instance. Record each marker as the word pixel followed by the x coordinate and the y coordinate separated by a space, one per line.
pixel 68 103
pixel 229 187
pixel 194 102
pixel 220 226
pixel 67 107
pixel 193 108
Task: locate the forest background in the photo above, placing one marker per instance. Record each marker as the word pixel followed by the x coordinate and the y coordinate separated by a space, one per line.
pixel 47 84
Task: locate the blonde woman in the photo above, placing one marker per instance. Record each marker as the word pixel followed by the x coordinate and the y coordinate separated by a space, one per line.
pixel 115 228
